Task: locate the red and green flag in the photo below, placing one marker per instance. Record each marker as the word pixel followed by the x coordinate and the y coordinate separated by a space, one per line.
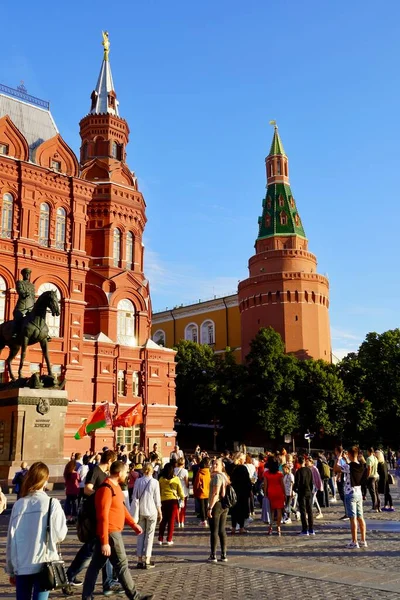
pixel 101 417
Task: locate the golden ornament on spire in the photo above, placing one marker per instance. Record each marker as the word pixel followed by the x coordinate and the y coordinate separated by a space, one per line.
pixel 274 124
pixel 106 44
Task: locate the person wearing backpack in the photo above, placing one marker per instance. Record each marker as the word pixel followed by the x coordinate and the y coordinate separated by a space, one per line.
pixel 325 473
pixel 94 479
pixel 201 489
pixel 112 515
pixel 217 512
pixel 19 478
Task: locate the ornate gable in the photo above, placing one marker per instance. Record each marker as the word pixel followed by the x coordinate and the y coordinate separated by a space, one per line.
pixel 57 155
pixel 12 138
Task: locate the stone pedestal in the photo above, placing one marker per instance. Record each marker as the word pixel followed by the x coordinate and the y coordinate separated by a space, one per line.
pixel 32 424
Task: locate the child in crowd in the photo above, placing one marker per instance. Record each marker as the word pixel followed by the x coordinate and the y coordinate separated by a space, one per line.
pixel 288 481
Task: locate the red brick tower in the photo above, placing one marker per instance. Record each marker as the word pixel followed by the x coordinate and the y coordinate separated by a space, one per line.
pixel 283 289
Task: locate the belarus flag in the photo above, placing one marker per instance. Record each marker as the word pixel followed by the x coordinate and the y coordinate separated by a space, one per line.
pixel 132 416
pixel 101 417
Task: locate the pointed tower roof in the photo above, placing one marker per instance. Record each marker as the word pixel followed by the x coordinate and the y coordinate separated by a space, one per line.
pixel 280 216
pixel 104 98
pixel 276 145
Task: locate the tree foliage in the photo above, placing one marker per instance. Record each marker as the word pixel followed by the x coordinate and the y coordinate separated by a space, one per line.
pixel 357 400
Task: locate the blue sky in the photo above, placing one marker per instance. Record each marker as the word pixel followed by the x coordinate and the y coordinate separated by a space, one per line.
pixel 198 83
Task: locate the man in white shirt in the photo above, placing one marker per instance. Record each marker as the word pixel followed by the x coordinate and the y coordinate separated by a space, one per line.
pixel 177 453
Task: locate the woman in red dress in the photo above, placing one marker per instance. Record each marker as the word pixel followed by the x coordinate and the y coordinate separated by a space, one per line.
pixel 274 490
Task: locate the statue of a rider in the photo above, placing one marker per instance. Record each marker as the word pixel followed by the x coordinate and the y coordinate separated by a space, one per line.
pixel 26 300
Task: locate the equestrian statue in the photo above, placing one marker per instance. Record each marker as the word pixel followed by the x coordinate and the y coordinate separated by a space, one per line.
pixel 29 325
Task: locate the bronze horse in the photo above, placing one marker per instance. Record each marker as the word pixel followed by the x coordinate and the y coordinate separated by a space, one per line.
pixel 33 330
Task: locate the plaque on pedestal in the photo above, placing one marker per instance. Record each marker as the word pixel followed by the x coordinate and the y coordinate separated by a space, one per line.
pixel 32 423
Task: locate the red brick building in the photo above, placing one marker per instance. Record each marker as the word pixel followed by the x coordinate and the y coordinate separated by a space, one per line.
pixel 78 225
pixel 284 290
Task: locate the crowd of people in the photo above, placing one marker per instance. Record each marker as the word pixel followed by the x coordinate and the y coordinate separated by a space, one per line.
pixel 130 488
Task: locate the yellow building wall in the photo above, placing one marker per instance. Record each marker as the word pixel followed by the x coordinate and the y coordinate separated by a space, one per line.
pixel 223 312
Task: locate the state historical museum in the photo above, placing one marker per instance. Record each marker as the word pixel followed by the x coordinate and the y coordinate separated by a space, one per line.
pixel 78 225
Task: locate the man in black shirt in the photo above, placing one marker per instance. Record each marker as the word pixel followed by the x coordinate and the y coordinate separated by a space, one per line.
pixel 303 485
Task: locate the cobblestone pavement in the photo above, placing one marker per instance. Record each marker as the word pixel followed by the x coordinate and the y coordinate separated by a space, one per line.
pixel 262 566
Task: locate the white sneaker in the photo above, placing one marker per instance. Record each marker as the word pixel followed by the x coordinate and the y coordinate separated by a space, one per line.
pixel 288 521
pixel 352 545
pixel 160 542
pixel 170 543
pixel 363 544
pixel 182 525
pixel 333 500
pixel 319 516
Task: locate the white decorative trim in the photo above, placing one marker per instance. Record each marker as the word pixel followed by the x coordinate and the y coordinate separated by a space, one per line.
pixel 195 309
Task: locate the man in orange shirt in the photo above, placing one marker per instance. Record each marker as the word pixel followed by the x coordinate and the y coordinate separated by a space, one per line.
pixel 111 516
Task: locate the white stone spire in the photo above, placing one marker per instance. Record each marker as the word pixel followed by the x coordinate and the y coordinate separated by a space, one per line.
pixel 104 98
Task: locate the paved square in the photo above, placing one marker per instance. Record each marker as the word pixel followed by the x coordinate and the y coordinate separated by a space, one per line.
pixel 261 566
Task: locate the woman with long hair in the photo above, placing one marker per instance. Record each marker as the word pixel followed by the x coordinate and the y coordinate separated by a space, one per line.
pixel 71 478
pixel 241 483
pixel 217 514
pixel 274 490
pixel 171 491
pixel 183 477
pixel 383 481
pixel 26 541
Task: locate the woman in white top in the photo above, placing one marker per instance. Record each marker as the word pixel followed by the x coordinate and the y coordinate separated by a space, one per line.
pixel 26 547
pixel 183 476
pixel 145 509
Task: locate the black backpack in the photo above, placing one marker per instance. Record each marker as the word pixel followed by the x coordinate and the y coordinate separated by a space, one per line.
pixel 230 498
pixel 86 523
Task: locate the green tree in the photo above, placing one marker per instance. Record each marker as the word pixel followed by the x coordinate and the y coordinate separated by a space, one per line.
pixel 272 376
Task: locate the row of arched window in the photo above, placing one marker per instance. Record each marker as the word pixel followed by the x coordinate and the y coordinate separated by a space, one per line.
pixel 7 212
pixel 207 333
pixel 126 334
pixel 117 247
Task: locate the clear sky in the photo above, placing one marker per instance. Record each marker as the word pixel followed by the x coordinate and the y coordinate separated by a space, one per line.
pixel 198 83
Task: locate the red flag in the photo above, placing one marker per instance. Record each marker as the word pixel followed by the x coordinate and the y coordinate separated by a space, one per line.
pixel 132 416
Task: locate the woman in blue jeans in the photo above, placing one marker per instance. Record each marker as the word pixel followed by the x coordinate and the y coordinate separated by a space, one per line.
pixel 26 548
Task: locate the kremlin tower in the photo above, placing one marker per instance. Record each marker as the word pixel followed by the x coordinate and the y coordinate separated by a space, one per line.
pixel 284 290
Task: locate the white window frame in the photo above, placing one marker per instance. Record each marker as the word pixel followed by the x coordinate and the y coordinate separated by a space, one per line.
pixel 3 292
pixel 129 249
pixel 191 332
pixel 44 224
pixel 116 247
pixel 159 333
pixel 126 335
pixel 53 322
pixel 207 335
pixel 7 209
pixel 61 223
pixel 121 382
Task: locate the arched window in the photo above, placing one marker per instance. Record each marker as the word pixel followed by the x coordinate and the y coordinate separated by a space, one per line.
pixel 159 337
pixel 61 220
pixel 278 166
pixel 269 202
pixel 53 323
pixel 117 248
pixel 267 220
pixel 114 149
pixel 283 218
pixel 192 332
pixel 126 323
pixel 306 296
pixel 3 288
pixel 208 332
pixel 121 383
pixel 289 296
pixel 281 201
pixel 44 220
pixel 7 216
pixel 129 250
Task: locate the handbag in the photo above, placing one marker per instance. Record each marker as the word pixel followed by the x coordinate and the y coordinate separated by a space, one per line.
pixel 53 575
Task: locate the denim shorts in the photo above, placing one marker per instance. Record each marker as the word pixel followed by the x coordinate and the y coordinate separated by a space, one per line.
pixel 354 505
